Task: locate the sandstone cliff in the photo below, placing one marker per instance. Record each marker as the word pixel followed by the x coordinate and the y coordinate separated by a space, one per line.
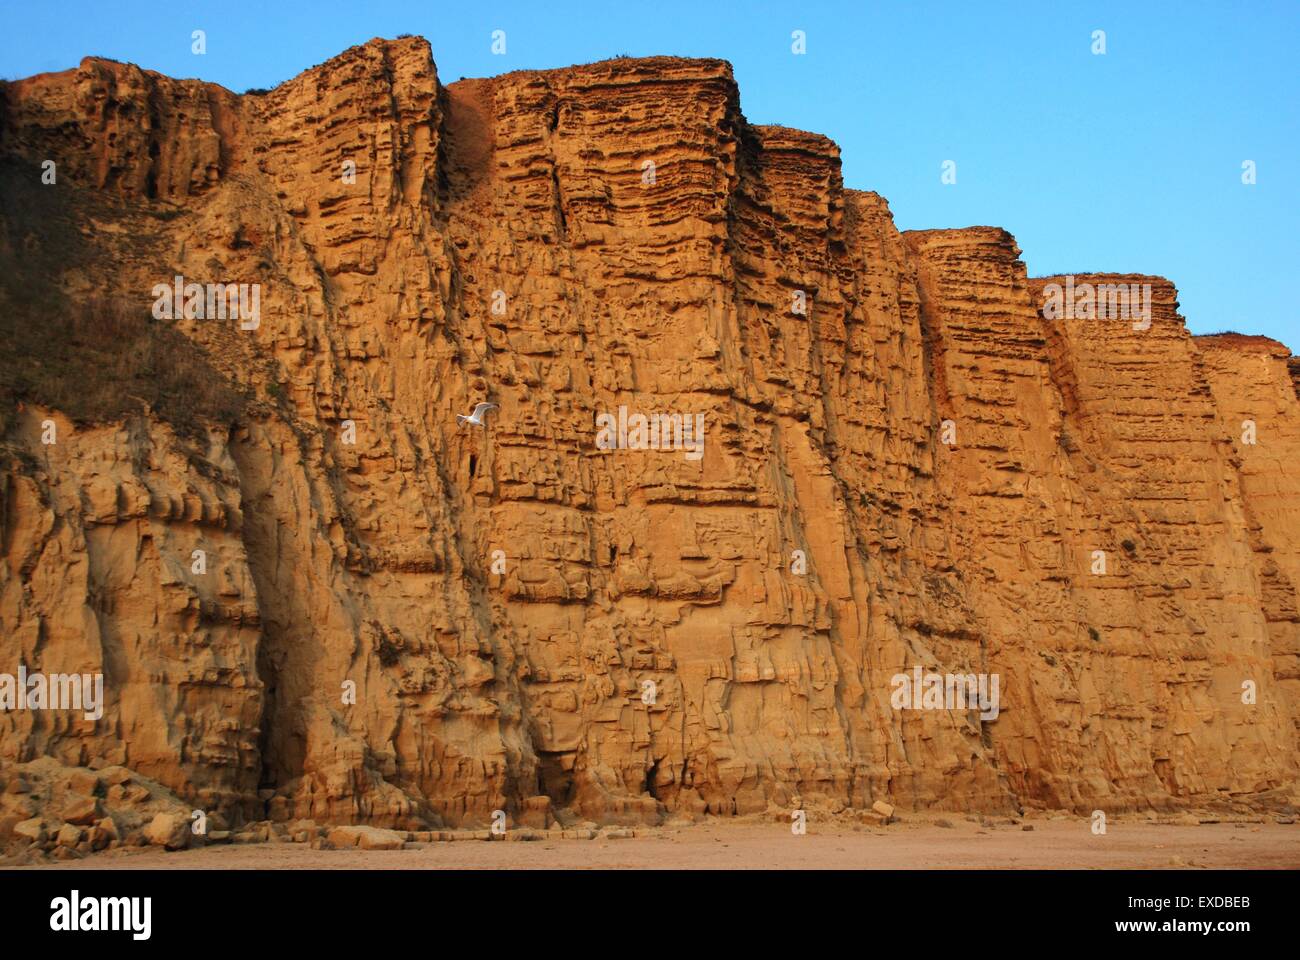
pixel 906 464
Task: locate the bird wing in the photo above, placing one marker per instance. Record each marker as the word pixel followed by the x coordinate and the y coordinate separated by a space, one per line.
pixel 483 408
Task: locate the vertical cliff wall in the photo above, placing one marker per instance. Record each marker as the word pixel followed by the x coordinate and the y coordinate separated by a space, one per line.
pixel 906 463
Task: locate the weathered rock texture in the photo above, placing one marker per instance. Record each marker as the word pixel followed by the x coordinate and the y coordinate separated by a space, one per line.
pixel 563 243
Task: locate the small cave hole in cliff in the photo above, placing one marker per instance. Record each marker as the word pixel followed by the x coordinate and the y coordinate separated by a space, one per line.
pixel 650 774
pixel 554 781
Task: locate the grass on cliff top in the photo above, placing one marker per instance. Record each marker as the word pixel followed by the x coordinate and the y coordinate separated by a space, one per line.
pixel 96 359
pixel 101 361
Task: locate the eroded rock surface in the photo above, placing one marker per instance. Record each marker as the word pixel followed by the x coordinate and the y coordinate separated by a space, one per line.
pixel 906 463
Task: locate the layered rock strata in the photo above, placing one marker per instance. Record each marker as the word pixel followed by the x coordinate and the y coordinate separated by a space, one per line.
pixel 908 461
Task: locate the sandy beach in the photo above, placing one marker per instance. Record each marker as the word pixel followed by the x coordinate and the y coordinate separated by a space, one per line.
pixel 1052 844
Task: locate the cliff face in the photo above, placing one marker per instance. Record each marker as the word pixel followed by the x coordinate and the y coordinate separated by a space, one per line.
pixel 908 461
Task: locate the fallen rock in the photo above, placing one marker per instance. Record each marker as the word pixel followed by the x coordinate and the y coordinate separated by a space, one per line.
pixel 168 830
pixel 136 793
pixel 104 833
pixel 83 810
pixel 115 776
pixel 537 813
pixel 33 830
pixel 525 834
pixel 84 782
pixel 367 838
pixel 20 806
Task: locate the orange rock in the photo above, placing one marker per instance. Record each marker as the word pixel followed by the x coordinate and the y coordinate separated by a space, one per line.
pixel 907 463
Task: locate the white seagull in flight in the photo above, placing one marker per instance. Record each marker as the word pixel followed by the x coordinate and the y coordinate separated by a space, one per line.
pixel 476 417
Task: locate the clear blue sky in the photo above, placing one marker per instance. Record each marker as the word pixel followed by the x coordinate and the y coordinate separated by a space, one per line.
pixel 1127 161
